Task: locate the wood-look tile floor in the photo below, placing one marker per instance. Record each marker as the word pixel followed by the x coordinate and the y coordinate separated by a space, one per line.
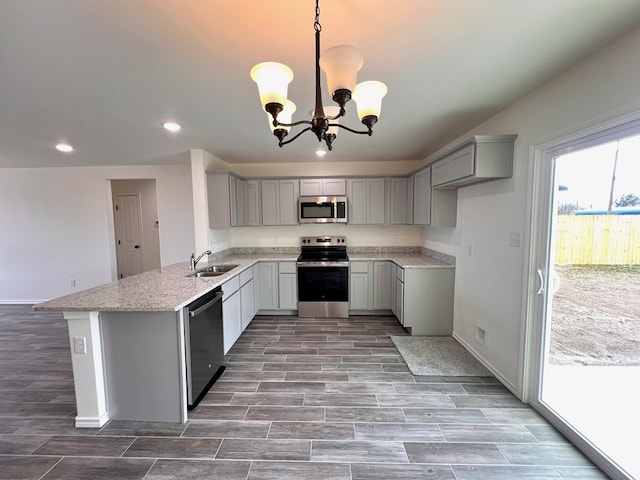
pixel 301 398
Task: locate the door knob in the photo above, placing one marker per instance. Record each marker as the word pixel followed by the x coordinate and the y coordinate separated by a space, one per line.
pixel 136 246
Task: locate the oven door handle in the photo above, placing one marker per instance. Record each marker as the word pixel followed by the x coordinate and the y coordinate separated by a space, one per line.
pixel 323 264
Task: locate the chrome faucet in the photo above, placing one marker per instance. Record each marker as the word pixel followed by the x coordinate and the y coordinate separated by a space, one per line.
pixel 194 261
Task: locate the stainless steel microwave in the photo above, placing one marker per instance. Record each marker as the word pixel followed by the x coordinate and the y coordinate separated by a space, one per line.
pixel 322 209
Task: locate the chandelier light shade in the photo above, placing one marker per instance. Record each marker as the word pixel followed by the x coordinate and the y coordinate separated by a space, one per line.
pixel 273 81
pixel 368 97
pixel 341 65
pixel 285 116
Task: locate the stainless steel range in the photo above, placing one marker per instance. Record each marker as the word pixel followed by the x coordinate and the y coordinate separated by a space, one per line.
pixel 323 277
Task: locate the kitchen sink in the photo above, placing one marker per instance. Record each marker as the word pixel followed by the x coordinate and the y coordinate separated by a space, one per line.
pixel 206 274
pixel 213 271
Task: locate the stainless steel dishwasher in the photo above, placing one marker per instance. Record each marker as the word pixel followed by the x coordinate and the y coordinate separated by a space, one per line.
pixel 204 345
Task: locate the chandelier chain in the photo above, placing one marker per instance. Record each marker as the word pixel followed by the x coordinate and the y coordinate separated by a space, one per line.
pixel 316 24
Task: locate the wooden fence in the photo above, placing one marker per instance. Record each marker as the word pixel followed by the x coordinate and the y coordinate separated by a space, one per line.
pixel 598 240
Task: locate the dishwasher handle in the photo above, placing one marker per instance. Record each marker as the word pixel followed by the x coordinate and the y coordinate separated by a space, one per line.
pixel 199 310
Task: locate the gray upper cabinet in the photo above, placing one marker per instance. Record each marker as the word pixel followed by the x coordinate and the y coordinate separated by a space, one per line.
pixel 431 207
pixel 232 201
pixel 280 202
pixel 480 159
pixel 323 186
pixel 366 198
pixel 401 209
pixel 221 192
pixel 422 197
pixel 248 192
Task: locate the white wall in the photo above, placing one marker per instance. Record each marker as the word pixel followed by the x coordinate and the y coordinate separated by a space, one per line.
pixel 489 283
pixel 55 226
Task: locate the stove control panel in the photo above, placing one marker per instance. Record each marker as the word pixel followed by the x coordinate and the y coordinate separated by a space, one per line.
pixel 323 241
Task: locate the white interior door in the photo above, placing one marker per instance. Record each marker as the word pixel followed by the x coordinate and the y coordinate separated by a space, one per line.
pixel 128 229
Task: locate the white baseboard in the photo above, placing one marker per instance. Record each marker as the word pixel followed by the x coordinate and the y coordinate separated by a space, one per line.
pixel 489 367
pixel 91 422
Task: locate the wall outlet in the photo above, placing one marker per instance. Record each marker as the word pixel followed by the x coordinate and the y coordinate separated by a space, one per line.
pixel 470 250
pixel 514 239
pixel 80 345
pixel 72 282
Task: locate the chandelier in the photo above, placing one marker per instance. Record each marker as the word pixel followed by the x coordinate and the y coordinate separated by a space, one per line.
pixel 340 64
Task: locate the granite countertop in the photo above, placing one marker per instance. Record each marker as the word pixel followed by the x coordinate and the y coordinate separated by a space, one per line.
pixel 161 290
pixel 404 260
pixel 169 288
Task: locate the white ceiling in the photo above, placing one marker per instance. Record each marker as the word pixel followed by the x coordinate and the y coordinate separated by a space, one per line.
pixel 104 74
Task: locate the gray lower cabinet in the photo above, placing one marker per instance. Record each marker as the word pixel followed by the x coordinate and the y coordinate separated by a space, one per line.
pixel 231 312
pixel 420 298
pixel 424 300
pixel 287 286
pixel 256 288
pixel 144 365
pixel 268 285
pixel 398 285
pixel 382 285
pixel 370 285
pixel 246 298
pixel 278 287
pixel 359 285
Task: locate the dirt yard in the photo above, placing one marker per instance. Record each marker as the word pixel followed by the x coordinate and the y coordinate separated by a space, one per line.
pixel 596 316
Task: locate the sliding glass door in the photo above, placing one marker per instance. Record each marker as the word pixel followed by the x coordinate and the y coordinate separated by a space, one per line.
pixel 585 307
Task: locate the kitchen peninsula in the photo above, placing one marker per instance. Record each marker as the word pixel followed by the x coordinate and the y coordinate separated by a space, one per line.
pixel 127 337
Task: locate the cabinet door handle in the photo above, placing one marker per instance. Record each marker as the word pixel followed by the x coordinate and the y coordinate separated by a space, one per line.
pixel 541 277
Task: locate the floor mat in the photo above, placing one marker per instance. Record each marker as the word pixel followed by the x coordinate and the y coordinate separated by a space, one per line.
pixel 438 356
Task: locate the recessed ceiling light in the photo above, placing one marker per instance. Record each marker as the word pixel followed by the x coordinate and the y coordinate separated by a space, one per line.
pixel 321 152
pixel 172 126
pixel 64 147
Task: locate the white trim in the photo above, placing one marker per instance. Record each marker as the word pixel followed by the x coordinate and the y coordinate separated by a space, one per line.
pixel 539 195
pixel 91 422
pixel 111 231
pixel 88 368
pixel 486 364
